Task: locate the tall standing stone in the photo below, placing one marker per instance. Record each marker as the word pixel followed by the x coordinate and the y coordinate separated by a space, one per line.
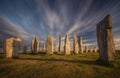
pixel 25 49
pixel 67 45
pixel 105 39
pixel 49 45
pixel 80 44
pixel 75 44
pixel 86 48
pixel 60 43
pixel 11 47
pixel 35 45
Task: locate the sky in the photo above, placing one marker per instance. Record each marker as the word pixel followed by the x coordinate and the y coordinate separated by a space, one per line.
pixel 27 18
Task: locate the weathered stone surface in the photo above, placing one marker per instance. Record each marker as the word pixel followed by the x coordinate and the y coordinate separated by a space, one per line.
pixel 86 48
pixel 67 45
pixel 25 49
pixel 60 43
pixel 75 44
pixel 11 47
pixel 105 39
pixel 80 44
pixel 50 45
pixel 35 46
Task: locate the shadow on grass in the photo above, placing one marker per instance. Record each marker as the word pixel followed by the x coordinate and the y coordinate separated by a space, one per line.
pixel 62 60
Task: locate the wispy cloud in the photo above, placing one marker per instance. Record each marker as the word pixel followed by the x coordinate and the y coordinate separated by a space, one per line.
pixel 27 18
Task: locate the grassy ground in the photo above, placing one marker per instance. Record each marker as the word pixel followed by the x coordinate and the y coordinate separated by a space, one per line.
pixel 58 66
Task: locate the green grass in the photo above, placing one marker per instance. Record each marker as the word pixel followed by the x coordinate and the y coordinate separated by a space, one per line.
pixel 58 66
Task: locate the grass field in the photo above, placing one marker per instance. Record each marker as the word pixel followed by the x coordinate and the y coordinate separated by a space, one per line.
pixel 58 66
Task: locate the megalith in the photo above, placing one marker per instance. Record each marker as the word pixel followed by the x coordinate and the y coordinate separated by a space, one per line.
pixel 49 45
pixel 35 45
pixel 105 39
pixel 12 46
pixel 86 48
pixel 75 44
pixel 80 44
pixel 95 49
pixel 67 45
pixel 91 50
pixel 44 47
pixel 60 43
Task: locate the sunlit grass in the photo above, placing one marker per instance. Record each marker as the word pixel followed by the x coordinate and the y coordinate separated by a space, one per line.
pixel 57 66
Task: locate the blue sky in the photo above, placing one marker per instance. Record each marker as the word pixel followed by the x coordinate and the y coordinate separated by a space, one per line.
pixel 27 18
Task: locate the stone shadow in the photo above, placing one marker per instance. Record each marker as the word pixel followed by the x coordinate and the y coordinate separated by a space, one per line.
pixel 63 60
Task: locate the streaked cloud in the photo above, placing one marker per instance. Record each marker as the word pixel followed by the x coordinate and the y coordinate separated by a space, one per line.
pixel 27 18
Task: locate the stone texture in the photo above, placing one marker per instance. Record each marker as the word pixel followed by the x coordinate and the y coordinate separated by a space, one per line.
pixel 60 43
pixel 49 45
pixel 67 45
pixel 25 49
pixel 75 44
pixel 80 44
pixel 86 48
pixel 35 46
pixel 105 39
pixel 11 47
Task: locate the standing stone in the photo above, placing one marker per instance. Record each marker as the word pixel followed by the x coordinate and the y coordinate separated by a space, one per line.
pixel 12 46
pixel 44 48
pixel 86 48
pixel 91 50
pixel 105 39
pixel 32 46
pixel 67 45
pixel 37 43
pixel 35 46
pixel 49 45
pixel 25 49
pixel 80 44
pixel 95 49
pixel 75 44
pixel 60 43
